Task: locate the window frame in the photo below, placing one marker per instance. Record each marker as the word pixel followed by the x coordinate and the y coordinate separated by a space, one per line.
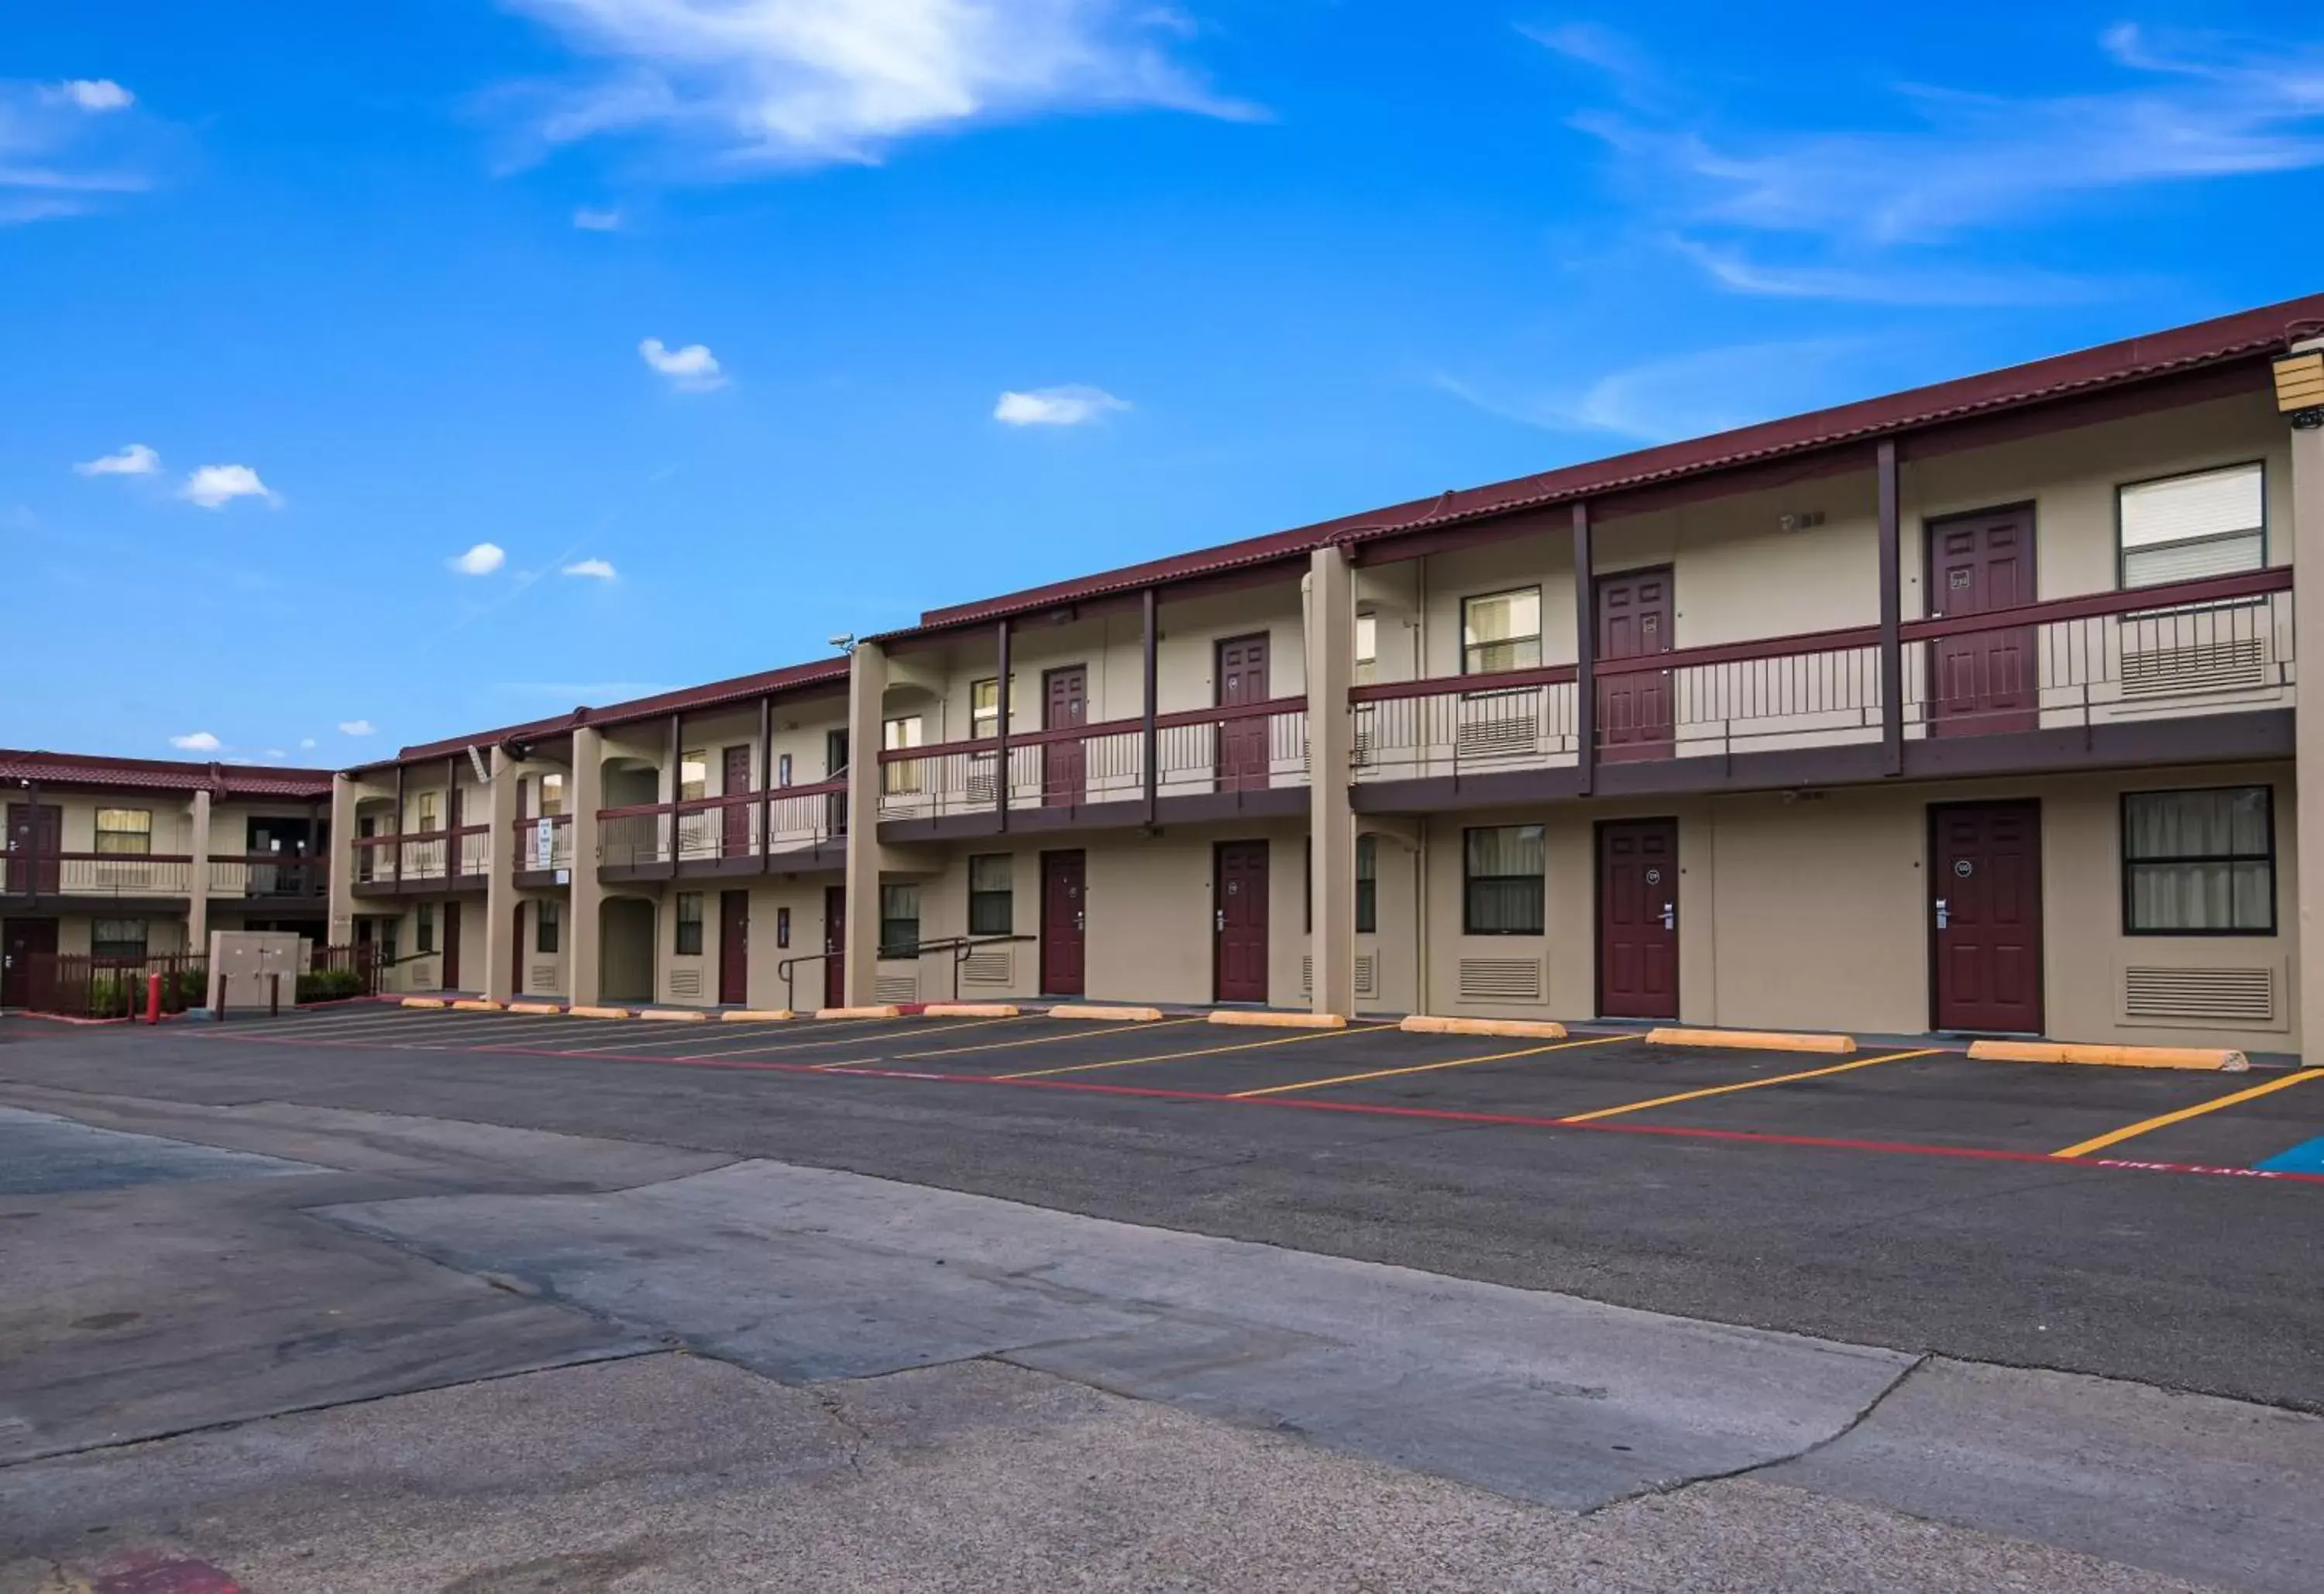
pixel 547 928
pixel 144 836
pixel 1469 881
pixel 541 801
pixel 978 717
pixel 2122 552
pixel 423 930
pixel 143 943
pixel 427 824
pixel 681 922
pixel 1367 661
pixel 899 949
pixel 1367 882
pixel 1467 647
pixel 2128 865
pixel 697 783
pixel 983 899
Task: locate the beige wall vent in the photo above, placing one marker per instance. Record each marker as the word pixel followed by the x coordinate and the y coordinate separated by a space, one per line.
pixel 1493 731
pixel 987 965
pixel 1367 974
pixel 544 977
pixel 685 982
pixel 1501 979
pixel 2199 996
pixel 897 988
pixel 2230 665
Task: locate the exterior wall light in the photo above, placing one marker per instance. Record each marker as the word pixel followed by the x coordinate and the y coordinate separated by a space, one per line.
pixel 2300 388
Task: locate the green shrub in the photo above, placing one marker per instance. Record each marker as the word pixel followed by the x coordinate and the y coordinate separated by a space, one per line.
pixel 326 985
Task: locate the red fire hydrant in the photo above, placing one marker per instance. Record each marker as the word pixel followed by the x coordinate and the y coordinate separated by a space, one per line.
pixel 152 998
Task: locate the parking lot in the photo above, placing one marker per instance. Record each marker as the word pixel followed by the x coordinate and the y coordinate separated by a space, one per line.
pixel 1926 1101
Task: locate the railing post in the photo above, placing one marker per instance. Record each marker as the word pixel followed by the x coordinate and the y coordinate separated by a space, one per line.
pixel 399 825
pixel 1000 754
pixel 766 783
pixel 1152 675
pixel 1585 659
pixel 1892 615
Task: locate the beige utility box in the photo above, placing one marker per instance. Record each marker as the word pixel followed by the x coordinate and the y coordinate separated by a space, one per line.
pixel 245 964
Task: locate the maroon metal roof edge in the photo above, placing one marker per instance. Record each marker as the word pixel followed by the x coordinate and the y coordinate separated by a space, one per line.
pixel 2240 336
pixel 712 695
pixel 66 768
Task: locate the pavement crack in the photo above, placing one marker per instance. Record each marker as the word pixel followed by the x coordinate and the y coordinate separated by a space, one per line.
pixel 859 1438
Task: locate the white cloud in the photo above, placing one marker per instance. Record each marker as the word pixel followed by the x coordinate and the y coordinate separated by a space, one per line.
pixel 595 569
pixel 791 82
pixel 352 728
pixel 195 741
pixel 306 745
pixel 1895 282
pixel 480 560
pixel 1056 406
pixel 608 220
pixel 135 460
pixel 214 486
pixel 97 95
pixel 1687 395
pixel 693 369
pixel 275 752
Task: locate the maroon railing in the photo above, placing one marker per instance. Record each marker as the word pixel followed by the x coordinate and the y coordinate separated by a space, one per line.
pixel 77 986
pixel 744 824
pixel 535 854
pixel 99 874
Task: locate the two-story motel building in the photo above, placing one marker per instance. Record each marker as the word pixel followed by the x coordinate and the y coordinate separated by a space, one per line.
pixel 1970 708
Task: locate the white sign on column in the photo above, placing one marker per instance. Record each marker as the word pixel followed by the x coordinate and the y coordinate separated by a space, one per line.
pixel 544 844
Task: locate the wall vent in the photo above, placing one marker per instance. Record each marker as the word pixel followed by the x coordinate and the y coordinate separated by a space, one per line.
pixel 987 965
pixel 897 988
pixel 685 982
pixel 2236 664
pixel 2199 996
pixel 1501 736
pixel 1367 974
pixel 1501 979
pixel 544 977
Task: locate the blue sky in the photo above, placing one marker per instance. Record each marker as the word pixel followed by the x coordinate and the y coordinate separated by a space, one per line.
pixel 338 335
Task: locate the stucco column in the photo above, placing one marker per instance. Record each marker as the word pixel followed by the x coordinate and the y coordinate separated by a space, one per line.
pixel 341 903
pixel 867 689
pixel 1331 635
pixel 2308 647
pixel 198 882
pixel 585 794
pixel 500 881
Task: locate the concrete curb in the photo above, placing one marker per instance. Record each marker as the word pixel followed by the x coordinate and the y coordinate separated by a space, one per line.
pixel 536 1009
pixel 1516 1029
pixel 752 1016
pixel 889 1011
pixel 1754 1040
pixel 969 1010
pixel 477 1006
pixel 1118 1015
pixel 2215 1059
pixel 597 1012
pixel 425 1001
pixel 1267 1021
pixel 675 1015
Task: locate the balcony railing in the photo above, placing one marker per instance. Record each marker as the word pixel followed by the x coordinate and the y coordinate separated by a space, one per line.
pixel 268 875
pixel 432 856
pixel 787 820
pixel 98 874
pixel 543 843
pixel 2217 646
pixel 1194 751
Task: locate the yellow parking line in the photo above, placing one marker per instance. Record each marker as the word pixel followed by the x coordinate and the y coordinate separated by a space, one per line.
pixel 1349 1078
pixel 1749 1085
pixel 1249 1046
pixel 1043 1040
pixel 2131 1131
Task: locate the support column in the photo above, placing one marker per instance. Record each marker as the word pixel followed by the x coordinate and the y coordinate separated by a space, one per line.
pixel 1892 613
pixel 585 794
pixel 499 879
pixel 197 886
pixel 1150 671
pixel 1331 635
pixel 340 905
pixel 1585 651
pixel 2308 645
pixel 1001 728
pixel 867 690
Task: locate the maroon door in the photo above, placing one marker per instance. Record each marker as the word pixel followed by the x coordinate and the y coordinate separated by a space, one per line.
pixel 1985 889
pixel 1638 919
pixel 516 953
pixel 21 941
pixel 734 840
pixel 733 946
pixel 1239 899
pixel 1065 703
pixel 34 840
pixel 835 946
pixel 1064 922
pixel 1242 742
pixel 1986 680
pixel 451 946
pixel 1635 613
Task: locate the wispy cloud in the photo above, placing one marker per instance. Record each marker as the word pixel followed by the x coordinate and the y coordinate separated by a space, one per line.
pixel 591 569
pixel 591 220
pixel 1074 405
pixel 482 560
pixel 750 84
pixel 1687 395
pixel 214 486
pixel 195 741
pixel 134 460
pixel 1872 203
pixel 354 728
pixel 66 148
pixel 693 369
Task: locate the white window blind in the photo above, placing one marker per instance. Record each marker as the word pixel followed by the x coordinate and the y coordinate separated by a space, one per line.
pixel 2184 527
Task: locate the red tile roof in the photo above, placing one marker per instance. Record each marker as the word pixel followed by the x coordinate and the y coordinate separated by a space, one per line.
pixel 170 775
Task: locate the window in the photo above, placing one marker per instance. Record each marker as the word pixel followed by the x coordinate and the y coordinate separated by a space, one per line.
pixel 992 895
pixel 2199 863
pixel 900 920
pixel 1501 631
pixel 782 769
pixel 1366 885
pixel 1367 648
pixel 547 926
pixel 2209 522
pixel 122 938
pixel 426 812
pixel 1501 880
pixel 689 924
pixel 127 831
pixel 693 775
pixel 984 707
pixel 896 735
pixel 423 938
pixel 835 754
pixel 552 797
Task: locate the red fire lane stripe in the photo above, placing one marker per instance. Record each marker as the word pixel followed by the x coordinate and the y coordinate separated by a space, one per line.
pixel 1430 1114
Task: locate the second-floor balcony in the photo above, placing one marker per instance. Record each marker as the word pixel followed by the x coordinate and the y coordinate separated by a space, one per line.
pixel 423 861
pixel 745 832
pixel 2135 674
pixel 163 877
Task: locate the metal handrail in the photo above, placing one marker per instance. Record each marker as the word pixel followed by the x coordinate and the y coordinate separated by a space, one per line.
pixel 960 946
